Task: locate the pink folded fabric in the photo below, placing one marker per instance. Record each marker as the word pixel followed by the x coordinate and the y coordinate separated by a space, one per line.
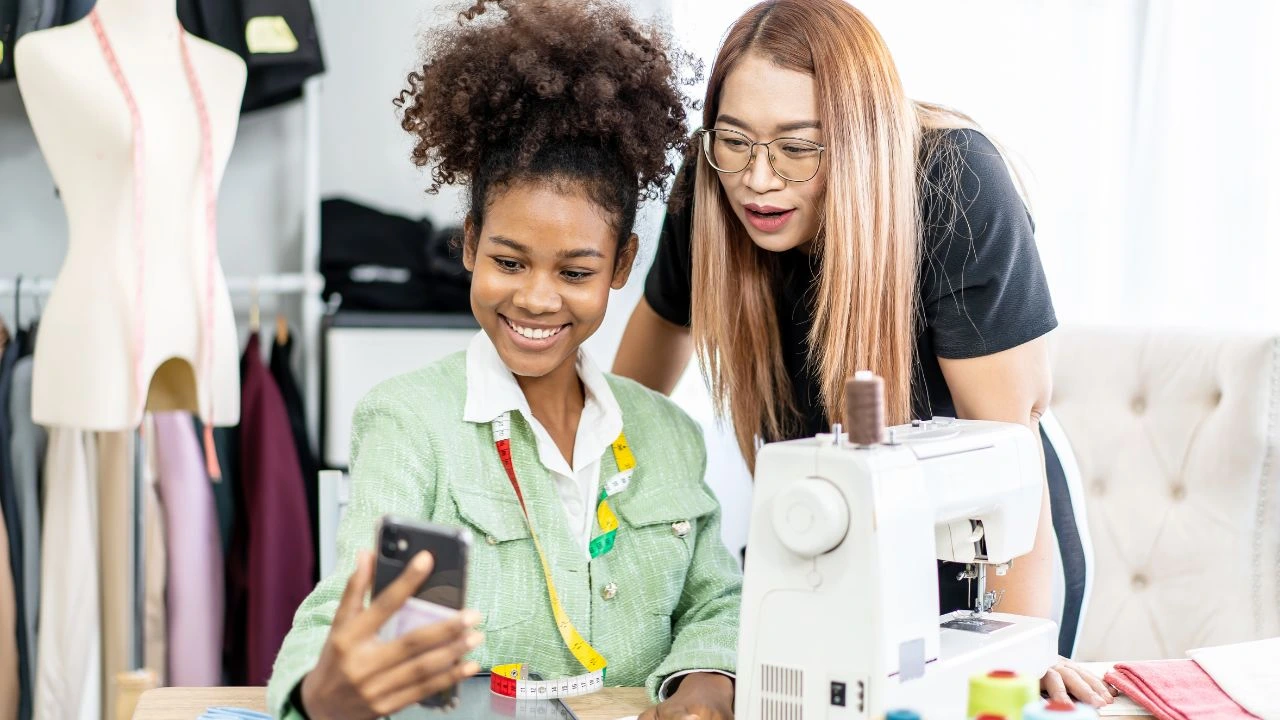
pixel 1176 690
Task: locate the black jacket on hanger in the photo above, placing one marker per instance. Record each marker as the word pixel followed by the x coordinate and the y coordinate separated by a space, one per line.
pixel 37 15
pixel 277 39
pixel 8 34
pixel 282 372
pixel 73 10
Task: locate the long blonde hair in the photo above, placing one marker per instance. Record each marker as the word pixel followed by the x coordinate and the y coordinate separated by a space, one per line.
pixel 868 242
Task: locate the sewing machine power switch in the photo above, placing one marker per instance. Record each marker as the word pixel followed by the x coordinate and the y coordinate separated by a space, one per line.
pixel 837 693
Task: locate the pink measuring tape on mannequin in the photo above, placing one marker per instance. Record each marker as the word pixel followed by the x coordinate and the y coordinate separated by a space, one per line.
pixel 139 214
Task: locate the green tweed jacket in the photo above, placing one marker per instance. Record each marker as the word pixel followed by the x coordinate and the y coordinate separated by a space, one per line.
pixel 677 595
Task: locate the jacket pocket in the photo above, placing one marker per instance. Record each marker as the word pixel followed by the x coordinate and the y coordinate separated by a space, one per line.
pixel 497 584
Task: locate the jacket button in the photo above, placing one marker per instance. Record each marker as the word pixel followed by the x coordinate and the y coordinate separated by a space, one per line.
pixel 491 540
pixel 680 528
pixel 608 592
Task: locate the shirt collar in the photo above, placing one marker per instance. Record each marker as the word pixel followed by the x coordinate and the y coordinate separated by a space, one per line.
pixel 492 390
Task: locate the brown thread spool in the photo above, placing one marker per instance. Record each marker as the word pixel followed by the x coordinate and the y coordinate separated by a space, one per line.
pixel 864 408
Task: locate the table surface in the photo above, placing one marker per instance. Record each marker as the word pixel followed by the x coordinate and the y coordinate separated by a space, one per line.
pixel 190 703
pixel 608 704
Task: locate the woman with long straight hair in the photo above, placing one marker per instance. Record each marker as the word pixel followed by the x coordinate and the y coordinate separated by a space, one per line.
pixel 829 224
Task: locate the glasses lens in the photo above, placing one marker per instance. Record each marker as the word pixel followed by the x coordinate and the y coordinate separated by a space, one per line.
pixel 795 160
pixel 726 150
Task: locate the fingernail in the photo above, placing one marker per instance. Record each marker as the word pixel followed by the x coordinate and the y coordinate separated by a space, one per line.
pixel 471 668
pixel 474 640
pixel 420 561
pixel 470 618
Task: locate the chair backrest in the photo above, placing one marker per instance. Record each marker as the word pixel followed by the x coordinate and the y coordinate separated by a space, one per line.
pixel 1177 436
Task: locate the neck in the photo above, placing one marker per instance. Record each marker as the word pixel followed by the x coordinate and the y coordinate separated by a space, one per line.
pixel 138 17
pixel 556 398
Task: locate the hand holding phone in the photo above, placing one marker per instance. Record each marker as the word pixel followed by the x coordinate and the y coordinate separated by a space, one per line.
pixel 359 676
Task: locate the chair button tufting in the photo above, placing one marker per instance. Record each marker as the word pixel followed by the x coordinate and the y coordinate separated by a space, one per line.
pixel 1179 491
pixel 1099 487
pixel 1139 405
pixel 1139 581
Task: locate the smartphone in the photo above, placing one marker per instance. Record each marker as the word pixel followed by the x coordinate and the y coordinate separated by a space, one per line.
pixel 399 540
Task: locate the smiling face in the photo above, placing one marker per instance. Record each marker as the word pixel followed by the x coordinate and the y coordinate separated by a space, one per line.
pixel 542 266
pixel 764 102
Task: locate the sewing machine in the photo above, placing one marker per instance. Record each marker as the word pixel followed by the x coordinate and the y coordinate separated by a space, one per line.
pixel 840 615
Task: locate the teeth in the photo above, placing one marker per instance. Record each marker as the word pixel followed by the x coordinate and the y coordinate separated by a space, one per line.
pixel 533 333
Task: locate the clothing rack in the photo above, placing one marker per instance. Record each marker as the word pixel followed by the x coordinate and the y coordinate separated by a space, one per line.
pixel 307 284
pixel 267 284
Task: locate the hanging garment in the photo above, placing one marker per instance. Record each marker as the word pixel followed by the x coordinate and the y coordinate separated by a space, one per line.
pixel 73 10
pixel 156 562
pixel 8 33
pixel 272 561
pixel 224 502
pixel 277 39
pixel 11 509
pixel 282 373
pixel 195 593
pixel 9 620
pixel 37 15
pixel 69 674
pixel 28 442
pixel 115 542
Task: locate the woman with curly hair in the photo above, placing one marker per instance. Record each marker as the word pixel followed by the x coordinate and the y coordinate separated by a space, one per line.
pixel 559 117
pixel 837 225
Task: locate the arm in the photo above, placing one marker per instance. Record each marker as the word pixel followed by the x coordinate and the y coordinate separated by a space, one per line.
pixel 654 352
pixel 390 472
pixel 705 621
pixel 1013 386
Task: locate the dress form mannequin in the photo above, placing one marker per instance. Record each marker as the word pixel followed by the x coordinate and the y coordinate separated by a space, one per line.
pixel 84 374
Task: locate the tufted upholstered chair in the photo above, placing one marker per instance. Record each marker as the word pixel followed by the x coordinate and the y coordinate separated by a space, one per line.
pixel 1177 437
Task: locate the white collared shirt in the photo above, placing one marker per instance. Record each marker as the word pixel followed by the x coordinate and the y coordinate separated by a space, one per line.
pixel 492 390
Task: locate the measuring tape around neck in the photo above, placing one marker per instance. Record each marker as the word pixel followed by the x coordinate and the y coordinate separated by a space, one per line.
pixel 511 679
pixel 139 215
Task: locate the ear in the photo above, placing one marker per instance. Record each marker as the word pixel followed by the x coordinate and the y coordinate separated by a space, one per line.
pixel 626 258
pixel 470 241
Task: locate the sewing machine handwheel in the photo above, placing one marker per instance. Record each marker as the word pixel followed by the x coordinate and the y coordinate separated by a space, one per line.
pixel 810 517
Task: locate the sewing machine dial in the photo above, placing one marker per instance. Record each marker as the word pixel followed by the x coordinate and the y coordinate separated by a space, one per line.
pixel 810 517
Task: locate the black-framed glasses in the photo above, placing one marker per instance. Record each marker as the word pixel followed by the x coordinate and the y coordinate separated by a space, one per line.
pixel 792 159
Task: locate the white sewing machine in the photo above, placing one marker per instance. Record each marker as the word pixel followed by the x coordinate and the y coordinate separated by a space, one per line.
pixel 840 615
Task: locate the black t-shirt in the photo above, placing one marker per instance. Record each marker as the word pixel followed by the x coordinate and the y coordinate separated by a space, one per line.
pixel 981 286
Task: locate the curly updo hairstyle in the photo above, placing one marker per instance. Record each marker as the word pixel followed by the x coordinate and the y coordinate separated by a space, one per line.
pixel 565 91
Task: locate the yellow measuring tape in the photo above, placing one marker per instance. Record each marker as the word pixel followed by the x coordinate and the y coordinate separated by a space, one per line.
pixel 511 679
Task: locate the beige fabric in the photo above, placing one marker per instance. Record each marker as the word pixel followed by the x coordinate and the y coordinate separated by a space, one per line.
pixel 156 560
pixel 115 533
pixel 8 630
pixel 69 672
pixel 1176 436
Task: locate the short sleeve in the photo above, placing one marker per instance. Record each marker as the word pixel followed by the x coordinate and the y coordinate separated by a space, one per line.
pixel 982 287
pixel 669 286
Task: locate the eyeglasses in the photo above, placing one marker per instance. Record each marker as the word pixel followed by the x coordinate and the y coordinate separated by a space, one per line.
pixel 730 151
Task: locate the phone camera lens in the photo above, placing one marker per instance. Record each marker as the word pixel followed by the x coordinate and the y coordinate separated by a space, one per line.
pixel 391 544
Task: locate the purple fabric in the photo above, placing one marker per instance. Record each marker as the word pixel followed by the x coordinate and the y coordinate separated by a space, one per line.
pixel 272 555
pixel 195 590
